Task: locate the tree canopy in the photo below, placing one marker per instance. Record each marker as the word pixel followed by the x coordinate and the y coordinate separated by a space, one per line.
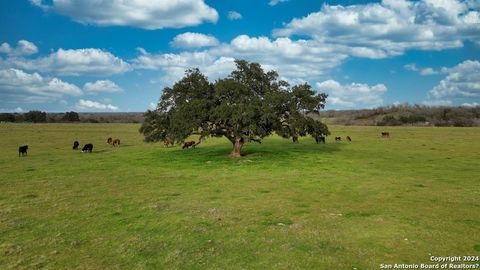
pixel 35 117
pixel 248 105
pixel 71 117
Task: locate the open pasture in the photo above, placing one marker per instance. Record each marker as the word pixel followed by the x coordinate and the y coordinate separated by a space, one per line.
pixel 282 206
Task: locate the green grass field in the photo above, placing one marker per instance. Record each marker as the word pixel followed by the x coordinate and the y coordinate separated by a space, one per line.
pixel 282 206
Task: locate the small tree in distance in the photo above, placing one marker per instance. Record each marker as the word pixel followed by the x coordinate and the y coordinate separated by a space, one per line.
pixel 248 105
pixel 71 117
pixel 35 117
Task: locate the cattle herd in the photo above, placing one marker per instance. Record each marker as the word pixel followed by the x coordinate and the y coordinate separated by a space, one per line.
pixel 88 148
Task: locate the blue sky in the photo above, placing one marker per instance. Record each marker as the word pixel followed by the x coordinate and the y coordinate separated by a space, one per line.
pixel 86 55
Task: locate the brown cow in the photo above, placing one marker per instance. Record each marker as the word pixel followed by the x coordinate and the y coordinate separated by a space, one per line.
pixel 109 140
pixel 189 144
pixel 385 135
pixel 349 139
pixel 167 143
pixel 116 142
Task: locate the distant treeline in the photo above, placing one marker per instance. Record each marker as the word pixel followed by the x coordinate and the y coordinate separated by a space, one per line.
pixel 71 117
pixel 406 114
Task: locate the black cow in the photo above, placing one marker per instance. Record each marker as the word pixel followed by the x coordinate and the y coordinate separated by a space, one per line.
pixel 87 148
pixel 22 150
pixel 385 135
pixel 349 139
pixel 320 139
pixel 75 145
pixel 337 139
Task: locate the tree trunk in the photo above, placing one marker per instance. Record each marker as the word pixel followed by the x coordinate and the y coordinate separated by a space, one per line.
pixel 295 139
pixel 237 147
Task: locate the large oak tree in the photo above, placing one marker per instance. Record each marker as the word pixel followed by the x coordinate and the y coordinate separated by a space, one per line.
pixel 248 105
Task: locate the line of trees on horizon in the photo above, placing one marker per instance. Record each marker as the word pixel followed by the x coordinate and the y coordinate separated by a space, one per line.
pixel 407 114
pixel 394 115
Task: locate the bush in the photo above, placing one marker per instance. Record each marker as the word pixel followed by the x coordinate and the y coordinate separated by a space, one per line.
pixel 71 117
pixel 35 117
pixel 7 117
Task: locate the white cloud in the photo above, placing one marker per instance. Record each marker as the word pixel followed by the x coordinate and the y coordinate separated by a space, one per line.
pixel 378 30
pixel 174 65
pixel 5 48
pixel 473 104
pixel 425 71
pixel 18 110
pixel 146 14
pixel 19 86
pixel 194 40
pixel 411 67
pixel 462 81
pixel 294 60
pixel 233 15
pixel 101 86
pixel 89 105
pixel 90 61
pixel 275 2
pixel 437 102
pixel 428 71
pixel 24 48
pixel 352 95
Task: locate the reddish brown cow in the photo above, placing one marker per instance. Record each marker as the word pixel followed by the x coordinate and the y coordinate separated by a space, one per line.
pixel 116 142
pixel 189 144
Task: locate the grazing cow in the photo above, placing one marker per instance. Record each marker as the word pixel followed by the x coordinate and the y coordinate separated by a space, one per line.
pixel 22 150
pixel 320 139
pixel 349 139
pixel 385 135
pixel 109 140
pixel 116 142
pixel 75 145
pixel 87 148
pixel 189 144
pixel 337 139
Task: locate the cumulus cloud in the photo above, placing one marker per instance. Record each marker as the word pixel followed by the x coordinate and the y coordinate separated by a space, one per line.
pixel 462 81
pixel 275 2
pixel 19 86
pixel 428 71
pixel 292 59
pixel 411 67
pixel 89 61
pixel 193 40
pixel 473 104
pixel 352 95
pixel 174 65
pixel 24 48
pixel 101 86
pixel 378 30
pixel 424 71
pixel 89 105
pixel 146 14
pixel 233 15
